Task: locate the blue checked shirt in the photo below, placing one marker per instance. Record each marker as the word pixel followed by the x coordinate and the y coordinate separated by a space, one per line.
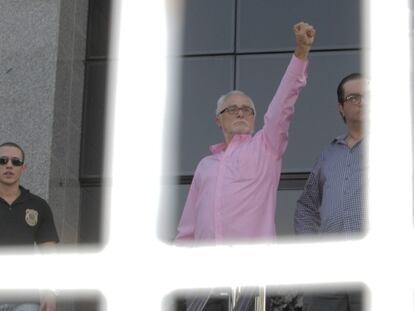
pixel 331 200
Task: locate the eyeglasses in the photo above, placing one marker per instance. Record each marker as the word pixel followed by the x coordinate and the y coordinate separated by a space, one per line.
pixel 14 161
pixel 234 110
pixel 354 99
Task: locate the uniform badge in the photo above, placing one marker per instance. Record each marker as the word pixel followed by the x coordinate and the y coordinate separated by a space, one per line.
pixel 31 217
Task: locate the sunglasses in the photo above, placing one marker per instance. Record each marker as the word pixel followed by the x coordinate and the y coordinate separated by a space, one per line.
pixel 14 161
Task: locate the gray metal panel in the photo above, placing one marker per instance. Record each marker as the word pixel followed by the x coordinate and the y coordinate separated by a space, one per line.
pixel 208 26
pixel 285 211
pixel 172 205
pixel 91 216
pixel 203 81
pixel 94 112
pixel 316 121
pixel 99 26
pixel 265 25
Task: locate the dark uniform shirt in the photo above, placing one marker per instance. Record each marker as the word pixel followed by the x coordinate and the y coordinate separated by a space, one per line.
pixel 332 200
pixel 28 220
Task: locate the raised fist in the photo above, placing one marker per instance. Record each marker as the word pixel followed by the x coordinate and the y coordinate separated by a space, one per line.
pixel 305 35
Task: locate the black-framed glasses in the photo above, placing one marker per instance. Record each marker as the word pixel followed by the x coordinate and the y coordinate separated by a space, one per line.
pixel 354 99
pixel 14 161
pixel 234 110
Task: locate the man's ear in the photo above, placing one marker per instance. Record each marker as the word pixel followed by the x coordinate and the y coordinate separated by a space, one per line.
pixel 341 109
pixel 218 122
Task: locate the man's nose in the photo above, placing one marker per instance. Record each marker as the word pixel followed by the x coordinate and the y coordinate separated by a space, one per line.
pixel 9 164
pixel 240 113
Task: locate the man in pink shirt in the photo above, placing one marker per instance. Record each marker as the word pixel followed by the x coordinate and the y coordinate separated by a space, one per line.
pixel 233 193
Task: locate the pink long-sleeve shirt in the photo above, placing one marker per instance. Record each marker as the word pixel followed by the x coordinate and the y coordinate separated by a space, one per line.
pixel 233 193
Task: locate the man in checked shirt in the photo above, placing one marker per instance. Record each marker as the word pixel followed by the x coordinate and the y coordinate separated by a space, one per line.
pixel 233 193
pixel 332 199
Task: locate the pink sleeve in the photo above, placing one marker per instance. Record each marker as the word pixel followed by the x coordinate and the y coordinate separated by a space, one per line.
pixel 186 226
pixel 281 109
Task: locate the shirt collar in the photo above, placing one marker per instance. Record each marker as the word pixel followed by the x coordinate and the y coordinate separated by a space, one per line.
pixel 341 139
pixel 217 148
pixel 24 194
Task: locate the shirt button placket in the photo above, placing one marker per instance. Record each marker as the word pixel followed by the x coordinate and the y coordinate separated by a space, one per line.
pixel 218 199
pixel 346 175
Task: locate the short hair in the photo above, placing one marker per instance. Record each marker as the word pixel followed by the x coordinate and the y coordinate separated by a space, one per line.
pixel 224 97
pixel 11 144
pixel 340 89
